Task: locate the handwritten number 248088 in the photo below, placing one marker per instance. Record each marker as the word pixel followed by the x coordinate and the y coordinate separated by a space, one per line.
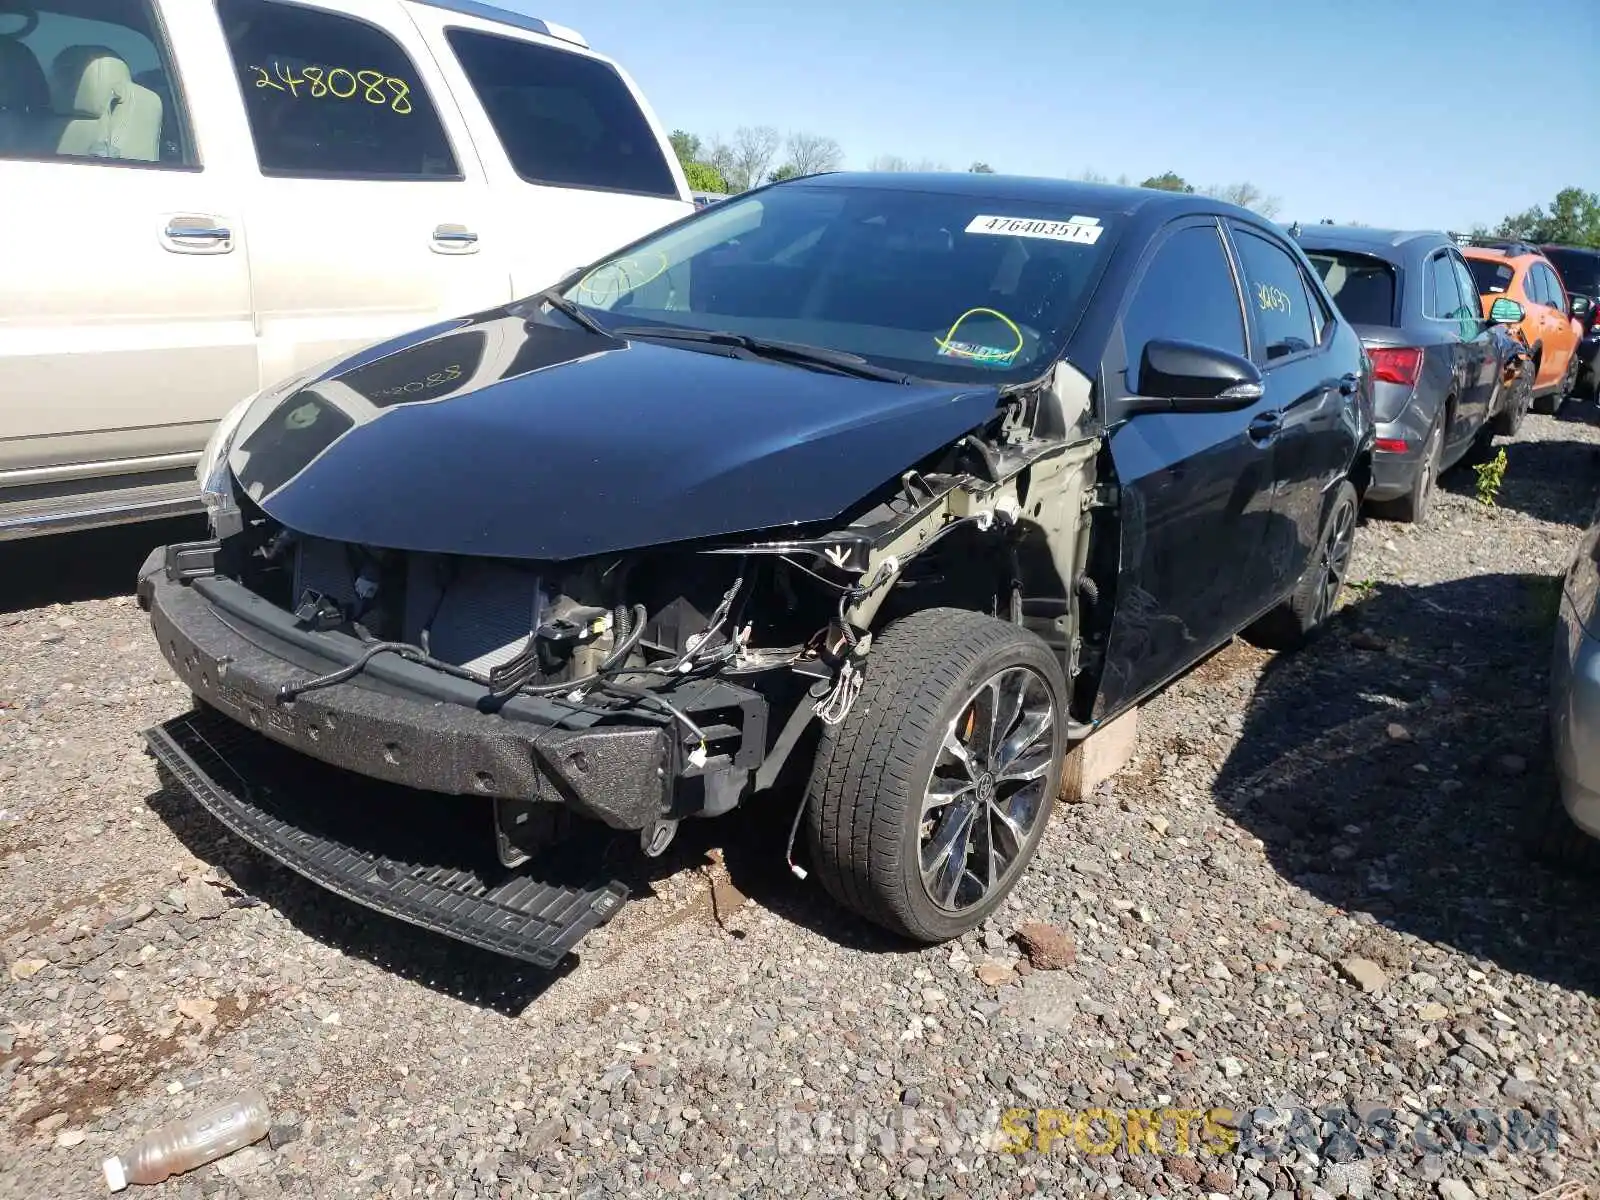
pixel 338 82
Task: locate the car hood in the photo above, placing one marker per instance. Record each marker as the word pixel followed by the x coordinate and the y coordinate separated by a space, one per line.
pixel 499 437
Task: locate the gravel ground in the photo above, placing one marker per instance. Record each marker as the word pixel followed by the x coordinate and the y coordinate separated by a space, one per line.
pixel 1306 891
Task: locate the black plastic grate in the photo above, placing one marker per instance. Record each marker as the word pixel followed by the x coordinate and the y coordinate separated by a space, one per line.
pixel 419 856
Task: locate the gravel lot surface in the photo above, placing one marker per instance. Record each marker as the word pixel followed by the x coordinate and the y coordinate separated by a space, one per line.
pixel 1306 890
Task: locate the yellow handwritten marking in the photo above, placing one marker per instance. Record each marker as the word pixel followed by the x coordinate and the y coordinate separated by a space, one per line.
pixel 1055 1125
pixel 370 81
pixel 1085 1131
pixel 949 338
pixel 402 94
pixel 1272 299
pixel 625 282
pixel 288 77
pixel 321 82
pixel 334 90
pixel 1142 1129
pixel 1181 1119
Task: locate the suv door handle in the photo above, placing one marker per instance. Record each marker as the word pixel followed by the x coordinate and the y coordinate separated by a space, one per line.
pixel 192 234
pixel 1349 383
pixel 454 239
pixel 1265 427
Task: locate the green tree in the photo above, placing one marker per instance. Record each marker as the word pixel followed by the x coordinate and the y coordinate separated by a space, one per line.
pixel 685 145
pixel 1168 181
pixel 981 168
pixel 787 171
pixel 1573 219
pixel 703 177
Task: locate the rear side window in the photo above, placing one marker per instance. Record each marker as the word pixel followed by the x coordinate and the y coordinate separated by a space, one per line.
pixel 1362 286
pixel 1274 291
pixel 331 97
pixel 1552 286
pixel 1579 269
pixel 565 120
pixel 97 88
pixel 1444 295
pixel 1187 293
pixel 1492 278
pixel 1533 286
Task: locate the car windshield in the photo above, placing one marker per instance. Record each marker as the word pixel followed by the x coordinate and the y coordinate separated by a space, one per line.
pixel 1492 278
pixel 1361 285
pixel 941 286
pixel 1580 269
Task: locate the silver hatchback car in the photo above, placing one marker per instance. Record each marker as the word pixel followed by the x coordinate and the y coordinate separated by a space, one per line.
pixel 1570 830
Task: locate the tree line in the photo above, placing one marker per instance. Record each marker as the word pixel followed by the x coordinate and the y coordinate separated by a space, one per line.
pixel 747 159
pixel 752 157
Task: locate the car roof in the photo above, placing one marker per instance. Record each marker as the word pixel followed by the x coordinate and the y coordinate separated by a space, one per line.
pixel 1393 245
pixel 1068 193
pixel 510 12
pixel 1495 254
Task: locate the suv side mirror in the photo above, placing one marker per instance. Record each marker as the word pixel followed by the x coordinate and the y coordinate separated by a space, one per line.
pixel 1581 306
pixel 1179 376
pixel 1505 311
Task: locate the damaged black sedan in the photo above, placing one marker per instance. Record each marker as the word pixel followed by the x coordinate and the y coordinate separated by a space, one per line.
pixel 895 486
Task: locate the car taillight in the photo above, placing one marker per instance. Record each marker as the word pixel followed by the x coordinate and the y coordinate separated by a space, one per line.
pixel 1396 364
pixel 1390 445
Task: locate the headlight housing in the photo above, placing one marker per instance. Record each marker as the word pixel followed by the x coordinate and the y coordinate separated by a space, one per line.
pixel 216 480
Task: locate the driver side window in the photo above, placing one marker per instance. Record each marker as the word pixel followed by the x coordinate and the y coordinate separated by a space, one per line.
pixel 1187 293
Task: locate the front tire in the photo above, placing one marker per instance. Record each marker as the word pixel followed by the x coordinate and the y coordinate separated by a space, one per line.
pixel 928 800
pixel 1299 618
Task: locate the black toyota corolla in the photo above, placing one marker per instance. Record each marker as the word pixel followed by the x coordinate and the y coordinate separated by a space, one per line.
pixel 902 483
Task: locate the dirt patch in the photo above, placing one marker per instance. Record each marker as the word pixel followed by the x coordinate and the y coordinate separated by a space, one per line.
pixel 94 1088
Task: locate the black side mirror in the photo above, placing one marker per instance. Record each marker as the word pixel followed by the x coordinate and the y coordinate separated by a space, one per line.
pixel 1581 306
pixel 1179 376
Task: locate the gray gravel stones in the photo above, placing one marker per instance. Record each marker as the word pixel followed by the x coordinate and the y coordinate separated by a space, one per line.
pixel 1272 830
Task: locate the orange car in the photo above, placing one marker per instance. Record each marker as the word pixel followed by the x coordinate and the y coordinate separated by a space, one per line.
pixel 1538 309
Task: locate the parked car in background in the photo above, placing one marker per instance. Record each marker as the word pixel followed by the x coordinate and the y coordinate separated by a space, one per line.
pixel 1438 370
pixel 1567 822
pixel 202 198
pixel 955 466
pixel 1579 269
pixel 706 199
pixel 1518 272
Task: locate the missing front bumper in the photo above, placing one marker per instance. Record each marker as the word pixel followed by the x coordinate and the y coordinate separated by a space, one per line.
pixel 403 853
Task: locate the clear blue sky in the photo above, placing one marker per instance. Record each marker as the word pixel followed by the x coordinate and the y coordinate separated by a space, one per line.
pixel 1409 112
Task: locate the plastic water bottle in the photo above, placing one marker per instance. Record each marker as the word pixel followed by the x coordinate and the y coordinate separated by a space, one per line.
pixel 190 1142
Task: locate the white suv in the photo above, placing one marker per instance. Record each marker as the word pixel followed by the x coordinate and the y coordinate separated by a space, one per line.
pixel 204 196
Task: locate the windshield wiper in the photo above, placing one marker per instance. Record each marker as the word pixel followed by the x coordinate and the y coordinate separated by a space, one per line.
pixel 797 353
pixel 572 312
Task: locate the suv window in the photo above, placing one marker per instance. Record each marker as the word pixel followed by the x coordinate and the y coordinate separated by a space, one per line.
pixel 1579 269
pixel 1187 293
pixel 1556 296
pixel 331 97
pixel 1471 306
pixel 1362 286
pixel 1443 301
pixel 1490 278
pixel 1533 285
pixel 564 119
pixel 84 89
pixel 1274 289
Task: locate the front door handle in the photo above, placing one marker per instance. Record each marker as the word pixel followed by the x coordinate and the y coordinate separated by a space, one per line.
pixel 1265 427
pixel 454 239
pixel 190 234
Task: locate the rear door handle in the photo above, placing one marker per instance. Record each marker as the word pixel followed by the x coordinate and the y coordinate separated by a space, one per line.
pixel 455 239
pixel 191 234
pixel 1265 427
pixel 1348 384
